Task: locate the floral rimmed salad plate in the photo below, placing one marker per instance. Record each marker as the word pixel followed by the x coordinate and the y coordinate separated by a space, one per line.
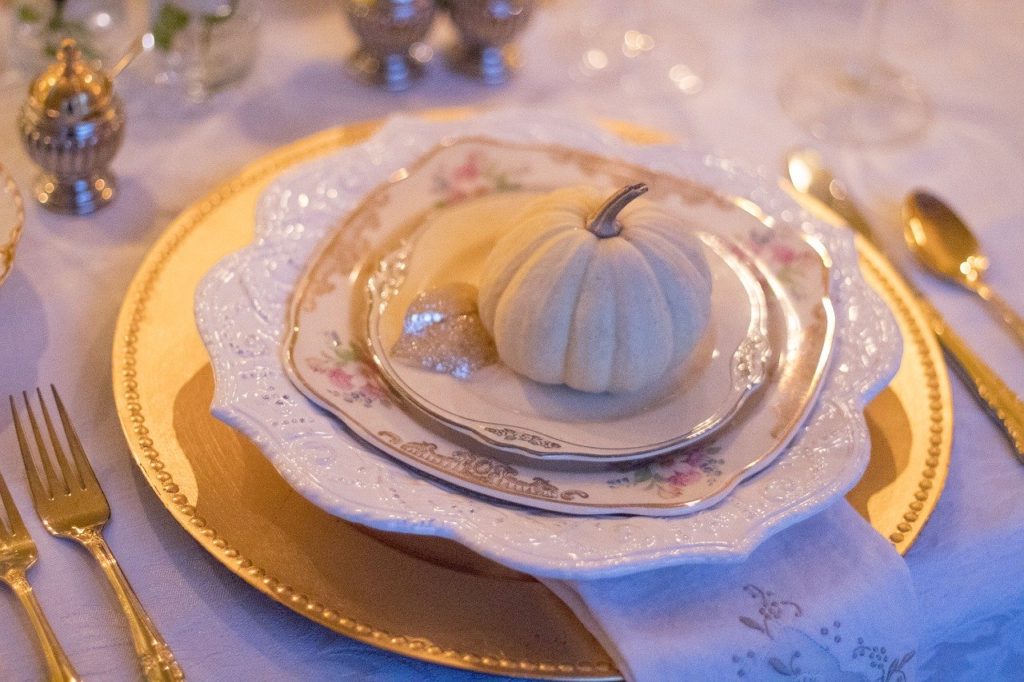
pixel 242 312
pixel 12 220
pixel 327 314
pixel 507 411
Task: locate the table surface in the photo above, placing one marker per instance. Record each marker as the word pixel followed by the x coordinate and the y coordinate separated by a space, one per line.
pixel 57 311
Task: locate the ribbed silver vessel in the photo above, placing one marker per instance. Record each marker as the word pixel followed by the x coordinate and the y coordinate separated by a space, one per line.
pixel 72 125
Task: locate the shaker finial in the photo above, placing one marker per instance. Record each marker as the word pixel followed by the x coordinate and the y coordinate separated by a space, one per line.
pixel 69 55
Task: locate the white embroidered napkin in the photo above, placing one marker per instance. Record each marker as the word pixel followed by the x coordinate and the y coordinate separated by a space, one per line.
pixel 828 599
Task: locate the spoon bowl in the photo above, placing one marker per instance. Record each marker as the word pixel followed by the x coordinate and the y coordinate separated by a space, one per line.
pixel 943 243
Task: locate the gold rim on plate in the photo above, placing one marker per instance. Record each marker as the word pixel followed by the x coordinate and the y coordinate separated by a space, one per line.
pixel 355 581
pixel 12 221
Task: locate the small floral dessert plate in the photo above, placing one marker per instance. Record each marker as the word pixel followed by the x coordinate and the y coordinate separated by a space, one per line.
pixel 311 228
pixel 507 411
pixel 325 358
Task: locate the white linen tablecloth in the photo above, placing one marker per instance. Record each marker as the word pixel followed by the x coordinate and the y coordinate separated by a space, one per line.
pixel 57 310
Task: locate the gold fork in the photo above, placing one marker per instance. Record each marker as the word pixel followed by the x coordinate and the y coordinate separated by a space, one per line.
pixel 17 553
pixel 72 505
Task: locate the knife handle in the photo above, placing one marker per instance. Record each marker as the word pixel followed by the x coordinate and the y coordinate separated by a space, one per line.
pixel 991 392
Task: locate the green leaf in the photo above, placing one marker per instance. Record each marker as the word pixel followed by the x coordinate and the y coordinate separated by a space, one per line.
pixel 28 15
pixel 68 29
pixel 170 20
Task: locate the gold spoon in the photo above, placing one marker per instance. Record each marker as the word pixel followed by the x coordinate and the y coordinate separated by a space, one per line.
pixel 945 245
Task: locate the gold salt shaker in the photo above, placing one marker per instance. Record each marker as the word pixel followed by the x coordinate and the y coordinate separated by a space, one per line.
pixel 72 125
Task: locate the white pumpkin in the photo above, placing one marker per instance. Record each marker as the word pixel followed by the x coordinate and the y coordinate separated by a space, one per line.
pixel 600 294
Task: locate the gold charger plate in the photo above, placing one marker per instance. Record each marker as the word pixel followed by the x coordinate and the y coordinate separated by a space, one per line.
pixel 220 488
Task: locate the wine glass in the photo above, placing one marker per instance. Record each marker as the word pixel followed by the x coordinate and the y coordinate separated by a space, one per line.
pixel 645 52
pixel 100 27
pixel 203 46
pixel 856 98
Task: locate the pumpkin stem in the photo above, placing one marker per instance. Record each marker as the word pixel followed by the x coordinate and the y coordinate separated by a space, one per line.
pixel 605 221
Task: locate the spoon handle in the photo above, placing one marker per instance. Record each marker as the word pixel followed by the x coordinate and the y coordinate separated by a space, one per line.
pixel 143 43
pixel 998 306
pixel 992 393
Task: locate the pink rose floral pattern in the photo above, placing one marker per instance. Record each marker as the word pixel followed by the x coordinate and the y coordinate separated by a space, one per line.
pixel 671 474
pixel 476 175
pixel 788 264
pixel 350 376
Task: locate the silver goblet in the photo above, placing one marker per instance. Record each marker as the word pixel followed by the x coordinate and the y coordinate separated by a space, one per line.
pixel 388 30
pixel 486 28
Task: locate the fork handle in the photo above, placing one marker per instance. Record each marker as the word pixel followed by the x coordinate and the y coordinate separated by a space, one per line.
pixel 58 666
pixel 155 657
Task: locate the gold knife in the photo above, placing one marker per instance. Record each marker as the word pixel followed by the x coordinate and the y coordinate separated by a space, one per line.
pixel 817 191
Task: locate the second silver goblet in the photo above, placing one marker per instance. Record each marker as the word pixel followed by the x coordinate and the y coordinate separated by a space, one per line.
pixel 388 30
pixel 486 29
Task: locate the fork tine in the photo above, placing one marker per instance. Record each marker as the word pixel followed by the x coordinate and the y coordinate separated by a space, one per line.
pixel 86 476
pixel 14 523
pixel 12 511
pixel 26 456
pixel 54 485
pixel 70 478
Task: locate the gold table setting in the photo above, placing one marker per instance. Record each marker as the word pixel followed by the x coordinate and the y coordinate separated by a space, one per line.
pixel 290 499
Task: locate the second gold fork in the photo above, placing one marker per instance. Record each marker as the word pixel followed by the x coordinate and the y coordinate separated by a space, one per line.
pixel 71 505
pixel 17 554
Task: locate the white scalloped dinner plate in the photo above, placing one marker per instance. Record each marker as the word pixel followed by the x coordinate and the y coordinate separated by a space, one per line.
pixel 505 410
pixel 241 311
pixel 327 318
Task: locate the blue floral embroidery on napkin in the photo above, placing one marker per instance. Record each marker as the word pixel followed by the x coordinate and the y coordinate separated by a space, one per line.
pixel 793 653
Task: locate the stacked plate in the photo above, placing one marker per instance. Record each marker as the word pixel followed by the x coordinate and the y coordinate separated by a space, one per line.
pixel 764 428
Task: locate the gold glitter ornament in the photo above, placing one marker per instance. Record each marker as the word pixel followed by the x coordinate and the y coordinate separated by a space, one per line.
pixel 442 332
